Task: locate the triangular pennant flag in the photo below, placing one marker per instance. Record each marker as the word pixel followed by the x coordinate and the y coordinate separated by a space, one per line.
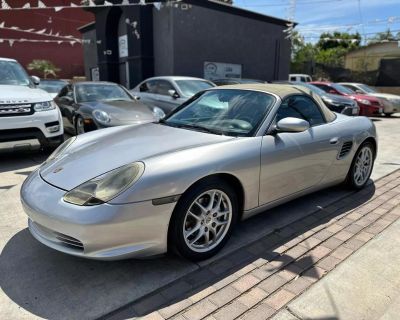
pixel 98 41
pixel 157 5
pixel 29 30
pixel 91 3
pixel 1 40
pixel 73 5
pixel 41 31
pixel 4 5
pixel 59 42
pixel 56 9
pixel 26 6
pixel 72 43
pixel 2 24
pixel 106 3
pixel 142 2
pixel 125 3
pixel 41 4
pixel 11 42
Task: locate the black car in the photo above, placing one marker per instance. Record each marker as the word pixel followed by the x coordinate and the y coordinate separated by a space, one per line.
pixel 87 106
pixel 228 81
pixel 334 102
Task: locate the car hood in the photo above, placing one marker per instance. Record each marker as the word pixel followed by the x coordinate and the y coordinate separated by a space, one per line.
pixel 123 110
pixel 97 152
pixel 363 96
pixel 22 94
pixel 337 98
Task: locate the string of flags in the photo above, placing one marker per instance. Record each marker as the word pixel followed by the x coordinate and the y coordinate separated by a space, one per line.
pixel 82 4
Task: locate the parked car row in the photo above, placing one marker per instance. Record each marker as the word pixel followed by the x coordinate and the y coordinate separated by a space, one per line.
pixel 81 107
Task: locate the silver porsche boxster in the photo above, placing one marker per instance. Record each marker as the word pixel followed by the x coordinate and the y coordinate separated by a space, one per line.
pixel 226 154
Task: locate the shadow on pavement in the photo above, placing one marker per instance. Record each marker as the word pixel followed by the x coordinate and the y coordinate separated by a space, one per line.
pixel 53 285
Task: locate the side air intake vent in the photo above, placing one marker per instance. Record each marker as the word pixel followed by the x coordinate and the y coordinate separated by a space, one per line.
pixel 345 149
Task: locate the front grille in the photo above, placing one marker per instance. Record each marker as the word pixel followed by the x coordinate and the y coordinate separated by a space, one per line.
pixel 58 238
pixel 13 110
pixel 69 241
pixel 21 134
pixel 346 148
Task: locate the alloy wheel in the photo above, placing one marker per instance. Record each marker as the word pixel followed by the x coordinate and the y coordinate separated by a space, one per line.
pixel 363 166
pixel 207 221
pixel 80 126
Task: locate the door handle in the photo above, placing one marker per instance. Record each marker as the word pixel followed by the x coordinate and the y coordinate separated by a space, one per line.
pixel 334 140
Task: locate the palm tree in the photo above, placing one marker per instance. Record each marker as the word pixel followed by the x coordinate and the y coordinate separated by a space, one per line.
pixel 45 67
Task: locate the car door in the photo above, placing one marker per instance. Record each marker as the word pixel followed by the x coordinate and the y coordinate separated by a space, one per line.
pixel 65 101
pixel 292 162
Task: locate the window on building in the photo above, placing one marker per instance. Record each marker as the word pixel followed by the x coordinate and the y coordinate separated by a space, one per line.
pixel 300 107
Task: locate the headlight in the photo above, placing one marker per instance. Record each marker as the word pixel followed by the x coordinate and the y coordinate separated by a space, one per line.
pixel 363 101
pixel 105 187
pixel 158 113
pixel 60 149
pixel 44 106
pixel 101 116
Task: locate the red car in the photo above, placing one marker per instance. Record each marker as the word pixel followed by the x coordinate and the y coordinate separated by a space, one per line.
pixel 369 105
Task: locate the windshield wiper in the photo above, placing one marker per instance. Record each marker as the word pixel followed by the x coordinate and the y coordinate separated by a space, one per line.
pixel 199 128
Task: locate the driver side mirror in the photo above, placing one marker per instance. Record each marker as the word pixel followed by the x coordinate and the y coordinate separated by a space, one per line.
pixel 173 93
pixel 292 125
pixel 35 80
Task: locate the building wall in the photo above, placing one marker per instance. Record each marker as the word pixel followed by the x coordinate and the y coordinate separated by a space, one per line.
pixel 65 56
pixel 90 52
pixel 163 42
pixel 201 34
pixel 368 59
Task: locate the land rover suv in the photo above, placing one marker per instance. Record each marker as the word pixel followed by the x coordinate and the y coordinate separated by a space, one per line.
pixel 28 115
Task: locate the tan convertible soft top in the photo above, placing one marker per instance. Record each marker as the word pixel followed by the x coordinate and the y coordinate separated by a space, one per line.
pixel 282 91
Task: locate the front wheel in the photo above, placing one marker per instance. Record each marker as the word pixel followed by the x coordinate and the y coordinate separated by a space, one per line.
pixel 79 125
pixel 203 220
pixel 361 167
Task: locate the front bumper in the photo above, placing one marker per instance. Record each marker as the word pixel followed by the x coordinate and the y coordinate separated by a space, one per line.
pixel 36 126
pixel 370 111
pixel 104 232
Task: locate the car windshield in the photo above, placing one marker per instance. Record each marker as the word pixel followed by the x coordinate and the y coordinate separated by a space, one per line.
pixel 11 73
pixel 342 89
pixel 52 86
pixel 313 88
pixel 100 92
pixel 227 112
pixel 367 89
pixel 190 87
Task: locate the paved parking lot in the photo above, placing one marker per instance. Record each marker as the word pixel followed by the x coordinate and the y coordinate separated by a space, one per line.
pixel 254 275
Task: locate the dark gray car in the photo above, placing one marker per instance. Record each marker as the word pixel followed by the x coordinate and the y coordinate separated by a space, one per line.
pixel 168 93
pixel 87 106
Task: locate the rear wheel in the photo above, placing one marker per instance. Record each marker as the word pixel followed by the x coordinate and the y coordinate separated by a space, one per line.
pixel 362 165
pixel 203 219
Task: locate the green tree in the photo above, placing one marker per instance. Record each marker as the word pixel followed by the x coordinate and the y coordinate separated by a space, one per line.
pixel 385 35
pixel 336 39
pixel 45 67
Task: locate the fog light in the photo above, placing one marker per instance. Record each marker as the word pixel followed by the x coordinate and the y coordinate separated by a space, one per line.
pixel 52 129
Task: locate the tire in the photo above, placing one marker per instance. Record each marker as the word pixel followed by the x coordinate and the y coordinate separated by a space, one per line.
pixel 79 125
pixel 388 114
pixel 359 172
pixel 213 223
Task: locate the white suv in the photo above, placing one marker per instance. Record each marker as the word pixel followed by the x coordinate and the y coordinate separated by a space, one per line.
pixel 27 114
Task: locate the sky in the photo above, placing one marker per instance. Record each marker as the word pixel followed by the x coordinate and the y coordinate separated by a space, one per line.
pixel 315 16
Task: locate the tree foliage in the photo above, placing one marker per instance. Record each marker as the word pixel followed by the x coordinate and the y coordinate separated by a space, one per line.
pixel 45 67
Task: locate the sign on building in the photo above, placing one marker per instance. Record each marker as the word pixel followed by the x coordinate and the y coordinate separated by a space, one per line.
pixel 218 70
pixel 123 46
pixel 95 74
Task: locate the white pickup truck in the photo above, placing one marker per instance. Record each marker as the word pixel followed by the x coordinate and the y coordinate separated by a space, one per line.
pixel 28 115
